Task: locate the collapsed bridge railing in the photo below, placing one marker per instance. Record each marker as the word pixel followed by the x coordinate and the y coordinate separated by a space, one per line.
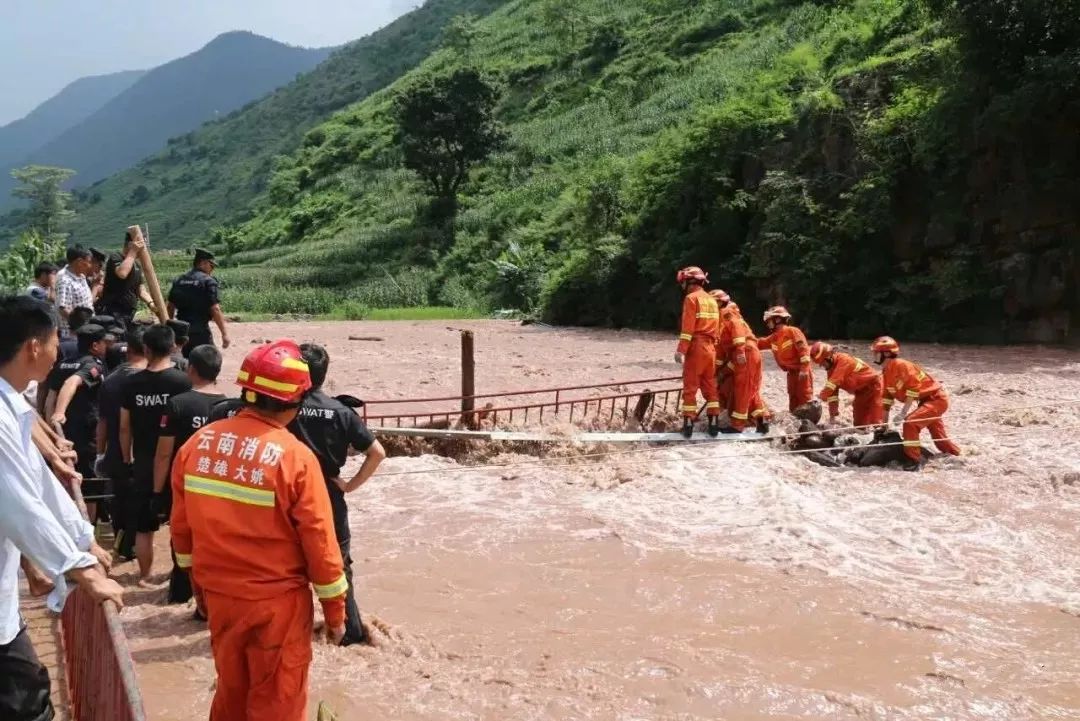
pixel 637 399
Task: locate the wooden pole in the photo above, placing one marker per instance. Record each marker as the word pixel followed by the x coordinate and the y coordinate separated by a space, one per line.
pixel 148 273
pixel 468 379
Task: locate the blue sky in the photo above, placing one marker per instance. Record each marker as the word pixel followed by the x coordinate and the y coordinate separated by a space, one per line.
pixel 46 44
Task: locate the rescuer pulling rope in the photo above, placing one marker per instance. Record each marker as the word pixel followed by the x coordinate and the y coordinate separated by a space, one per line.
pixel 904 379
pixel 696 352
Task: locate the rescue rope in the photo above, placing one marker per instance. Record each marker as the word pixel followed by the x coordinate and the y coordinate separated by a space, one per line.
pixel 635 451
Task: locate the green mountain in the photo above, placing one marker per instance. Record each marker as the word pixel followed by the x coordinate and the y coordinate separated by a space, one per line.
pixel 901 166
pixel 231 70
pixel 206 177
pixel 76 102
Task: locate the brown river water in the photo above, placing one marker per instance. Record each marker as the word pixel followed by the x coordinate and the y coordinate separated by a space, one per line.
pixel 719 581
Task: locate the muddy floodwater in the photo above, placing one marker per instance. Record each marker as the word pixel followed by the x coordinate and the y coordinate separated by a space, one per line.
pixel 718 581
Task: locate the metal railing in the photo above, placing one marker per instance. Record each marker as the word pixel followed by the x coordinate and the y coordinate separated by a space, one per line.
pixel 98 667
pixel 579 408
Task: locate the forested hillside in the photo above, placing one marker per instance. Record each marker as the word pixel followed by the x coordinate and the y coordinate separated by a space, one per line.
pixel 229 71
pixel 879 165
pixel 69 107
pixel 211 175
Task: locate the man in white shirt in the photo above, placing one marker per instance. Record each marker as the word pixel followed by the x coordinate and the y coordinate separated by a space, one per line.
pixel 72 289
pixel 37 517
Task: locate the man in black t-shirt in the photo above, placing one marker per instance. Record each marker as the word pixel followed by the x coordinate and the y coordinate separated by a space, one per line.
pixel 122 288
pixel 185 414
pixel 76 384
pixel 329 428
pixel 194 299
pixel 111 460
pixel 145 396
pixel 181 330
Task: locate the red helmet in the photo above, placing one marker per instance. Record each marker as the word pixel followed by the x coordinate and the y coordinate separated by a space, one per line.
pixel 276 370
pixel 778 312
pixel 820 352
pixel 885 344
pixel 692 274
pixel 720 296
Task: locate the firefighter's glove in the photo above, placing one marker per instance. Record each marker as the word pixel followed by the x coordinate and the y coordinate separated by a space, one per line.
pixel 740 358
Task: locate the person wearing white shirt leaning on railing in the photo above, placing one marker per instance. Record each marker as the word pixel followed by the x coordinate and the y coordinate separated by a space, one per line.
pixel 37 517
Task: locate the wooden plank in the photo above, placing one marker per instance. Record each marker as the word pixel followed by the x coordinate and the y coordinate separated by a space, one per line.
pixel 589 437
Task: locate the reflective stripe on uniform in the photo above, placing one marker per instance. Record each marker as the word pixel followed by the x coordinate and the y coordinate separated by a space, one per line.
pixel 859 365
pixel 685 336
pixel 804 359
pixel 912 444
pixel 740 341
pixel 707 315
pixel 786 345
pixel 690 409
pixel 830 385
pixel 887 402
pixel 712 404
pixel 912 394
pixel 739 416
pixel 183 560
pixel 921 377
pixel 331 590
pixel 229 491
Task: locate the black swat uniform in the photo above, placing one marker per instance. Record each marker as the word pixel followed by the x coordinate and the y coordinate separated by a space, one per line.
pixel 82 413
pixel 328 428
pixel 184 415
pixel 181 331
pixel 120 296
pixel 145 396
pixel 109 399
pixel 194 294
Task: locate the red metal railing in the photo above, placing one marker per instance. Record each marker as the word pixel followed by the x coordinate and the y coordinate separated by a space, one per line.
pixel 100 673
pixel 580 408
pixel 98 667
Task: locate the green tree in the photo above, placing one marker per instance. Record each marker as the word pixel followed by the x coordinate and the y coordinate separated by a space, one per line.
pixel 445 125
pixel 462 34
pixel 564 17
pixel 50 205
pixel 29 249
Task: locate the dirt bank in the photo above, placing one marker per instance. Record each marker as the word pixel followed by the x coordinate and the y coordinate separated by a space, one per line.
pixel 713 582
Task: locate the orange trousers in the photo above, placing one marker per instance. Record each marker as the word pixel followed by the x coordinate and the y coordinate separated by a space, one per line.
pixel 699 371
pixel 799 390
pixel 928 415
pixel 262 651
pixel 867 404
pixel 747 398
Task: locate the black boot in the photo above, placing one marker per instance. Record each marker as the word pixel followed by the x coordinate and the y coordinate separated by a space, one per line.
pixel 687 428
pixel 910 465
pixel 730 430
pixel 762 426
pixel 714 427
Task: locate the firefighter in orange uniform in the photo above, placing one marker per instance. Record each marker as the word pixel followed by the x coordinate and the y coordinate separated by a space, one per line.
pixel 905 380
pixel 252 521
pixel 846 372
pixel 697 349
pixel 725 368
pixel 792 354
pixel 739 345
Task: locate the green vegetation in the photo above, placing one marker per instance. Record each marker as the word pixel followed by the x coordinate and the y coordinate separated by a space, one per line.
pixel 205 178
pixel 901 166
pixel 48 212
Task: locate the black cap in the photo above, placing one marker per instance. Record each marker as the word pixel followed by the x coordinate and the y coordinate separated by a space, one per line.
pixel 92 331
pixel 116 331
pixel 180 328
pixel 201 255
pixel 98 255
pixel 103 320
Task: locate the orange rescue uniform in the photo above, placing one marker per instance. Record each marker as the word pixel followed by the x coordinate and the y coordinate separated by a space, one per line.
pixel 792 354
pixel 904 381
pixel 697 342
pixel 739 345
pixel 252 520
pixel 852 375
pixel 725 375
